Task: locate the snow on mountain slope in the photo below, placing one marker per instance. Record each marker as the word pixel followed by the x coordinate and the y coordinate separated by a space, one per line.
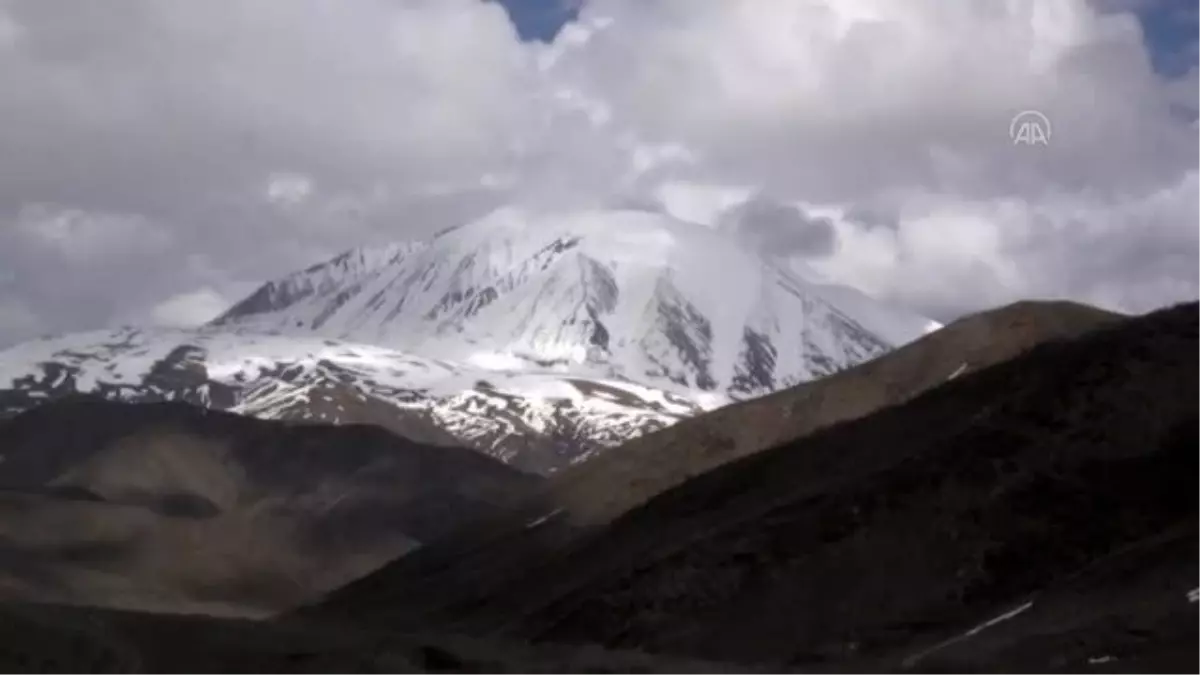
pixel 536 419
pixel 717 206
pixel 538 339
pixel 892 324
pixel 627 294
pixel 334 276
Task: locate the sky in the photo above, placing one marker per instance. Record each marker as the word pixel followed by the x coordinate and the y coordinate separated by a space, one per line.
pixel 161 158
pixel 540 20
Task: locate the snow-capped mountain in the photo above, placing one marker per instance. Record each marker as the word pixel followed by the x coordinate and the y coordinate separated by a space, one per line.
pixel 536 420
pixel 627 294
pixel 538 339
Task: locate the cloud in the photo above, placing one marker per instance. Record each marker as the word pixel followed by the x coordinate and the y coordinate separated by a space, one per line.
pixel 190 309
pixel 892 120
pixel 775 228
pixel 1131 253
pixel 179 117
pixel 288 189
pixel 844 101
pixel 156 148
pixel 75 237
pixel 19 319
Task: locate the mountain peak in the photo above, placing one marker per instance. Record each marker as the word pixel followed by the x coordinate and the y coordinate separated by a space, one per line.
pixel 624 293
pixel 537 338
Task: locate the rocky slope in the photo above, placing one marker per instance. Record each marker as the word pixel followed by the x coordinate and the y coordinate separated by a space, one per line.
pixel 535 420
pixel 1031 516
pixel 627 476
pixel 1034 515
pixel 173 507
pixel 489 555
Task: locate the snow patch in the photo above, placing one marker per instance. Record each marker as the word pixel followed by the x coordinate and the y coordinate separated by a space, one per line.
pixel 912 660
pixel 992 622
pixel 542 520
pixel 496 361
pixel 957 371
pixel 275 376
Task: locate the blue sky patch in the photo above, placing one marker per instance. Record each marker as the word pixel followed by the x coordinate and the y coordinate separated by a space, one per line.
pixel 541 19
pixel 1171 32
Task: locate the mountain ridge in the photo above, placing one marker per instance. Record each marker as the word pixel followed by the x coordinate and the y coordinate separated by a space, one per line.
pixel 540 339
pixel 1018 493
pixel 618 293
pixel 540 420
pixel 487 556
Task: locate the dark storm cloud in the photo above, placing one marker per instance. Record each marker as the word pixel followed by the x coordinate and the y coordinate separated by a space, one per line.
pixel 873 216
pixel 776 228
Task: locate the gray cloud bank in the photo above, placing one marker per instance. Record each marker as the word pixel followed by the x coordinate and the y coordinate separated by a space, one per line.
pixel 160 157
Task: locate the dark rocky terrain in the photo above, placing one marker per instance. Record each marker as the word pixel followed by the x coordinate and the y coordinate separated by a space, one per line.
pixel 1065 477
pixel 1034 512
pixel 622 478
pixel 176 508
pixel 43 638
pixel 492 553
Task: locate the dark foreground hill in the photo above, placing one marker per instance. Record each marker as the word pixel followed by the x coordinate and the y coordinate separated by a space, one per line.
pixel 48 639
pixel 486 557
pixel 1039 515
pixel 171 507
pixel 614 482
pixel 1054 494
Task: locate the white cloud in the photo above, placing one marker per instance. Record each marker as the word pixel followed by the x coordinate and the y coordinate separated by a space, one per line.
pixel 81 237
pixel 842 100
pixel 1125 252
pixel 288 189
pixel 259 137
pixel 191 309
pixel 903 109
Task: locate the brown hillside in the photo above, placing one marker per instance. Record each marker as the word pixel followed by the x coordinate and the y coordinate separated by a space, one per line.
pixel 171 507
pixel 483 558
pixel 624 477
pixel 1046 492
